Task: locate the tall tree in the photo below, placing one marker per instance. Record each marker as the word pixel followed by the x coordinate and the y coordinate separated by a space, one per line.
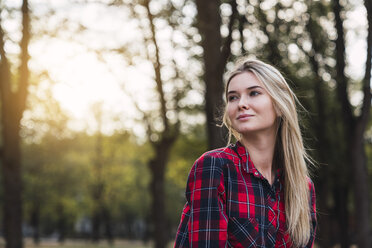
pixel 98 183
pixel 163 122
pixel 35 168
pixel 324 105
pixel 162 146
pixel 355 125
pixel 216 52
pixel 13 104
pixel 100 213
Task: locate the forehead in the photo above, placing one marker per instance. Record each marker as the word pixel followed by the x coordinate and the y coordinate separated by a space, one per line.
pixel 244 80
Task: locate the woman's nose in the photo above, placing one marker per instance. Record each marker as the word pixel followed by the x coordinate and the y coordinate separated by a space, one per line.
pixel 243 102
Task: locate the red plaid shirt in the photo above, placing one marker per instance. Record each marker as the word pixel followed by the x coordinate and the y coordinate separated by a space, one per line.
pixel 230 204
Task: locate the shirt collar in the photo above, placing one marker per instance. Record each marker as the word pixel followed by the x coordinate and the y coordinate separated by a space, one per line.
pixel 247 163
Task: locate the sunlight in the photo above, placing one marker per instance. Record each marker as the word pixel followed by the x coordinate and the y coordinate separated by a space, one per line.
pixel 80 78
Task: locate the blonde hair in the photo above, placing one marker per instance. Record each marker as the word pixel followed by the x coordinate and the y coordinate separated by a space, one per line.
pixel 289 149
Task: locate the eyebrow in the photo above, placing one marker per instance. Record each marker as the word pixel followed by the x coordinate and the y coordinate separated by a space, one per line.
pixel 249 88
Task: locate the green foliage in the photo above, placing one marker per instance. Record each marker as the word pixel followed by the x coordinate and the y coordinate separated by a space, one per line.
pixel 54 178
pixel 58 176
pixel 126 176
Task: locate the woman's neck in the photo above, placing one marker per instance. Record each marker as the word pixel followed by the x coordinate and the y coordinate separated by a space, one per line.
pixel 261 151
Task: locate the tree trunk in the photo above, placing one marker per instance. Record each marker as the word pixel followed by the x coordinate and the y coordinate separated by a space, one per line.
pixel 324 230
pixel 12 107
pixel 341 79
pixel 324 223
pixel 96 223
pixel 342 214
pixel 340 196
pixel 209 24
pixel 358 155
pixel 361 190
pixel 98 183
pixel 242 21
pixel 355 127
pixel 157 166
pixel 162 147
pixel 12 182
pixel 97 215
pixel 108 225
pixel 35 223
pixel 61 225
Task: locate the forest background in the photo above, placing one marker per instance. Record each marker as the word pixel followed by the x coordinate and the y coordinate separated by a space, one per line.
pixel 105 105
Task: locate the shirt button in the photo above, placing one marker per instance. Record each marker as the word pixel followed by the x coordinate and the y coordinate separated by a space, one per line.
pixel 256 173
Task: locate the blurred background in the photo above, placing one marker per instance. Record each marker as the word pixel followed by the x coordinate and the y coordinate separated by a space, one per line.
pixel 105 105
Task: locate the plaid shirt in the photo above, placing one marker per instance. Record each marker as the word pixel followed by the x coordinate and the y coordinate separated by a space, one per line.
pixel 230 204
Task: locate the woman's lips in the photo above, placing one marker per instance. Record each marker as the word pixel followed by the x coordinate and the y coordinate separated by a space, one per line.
pixel 244 116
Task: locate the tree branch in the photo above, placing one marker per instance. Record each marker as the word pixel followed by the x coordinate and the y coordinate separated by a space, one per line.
pixel 242 21
pixel 146 117
pixel 23 69
pixel 179 93
pixel 272 46
pixel 226 48
pixel 157 67
pixel 340 66
pixel 4 68
pixel 363 118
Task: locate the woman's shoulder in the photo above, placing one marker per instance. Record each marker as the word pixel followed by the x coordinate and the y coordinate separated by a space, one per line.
pixel 208 172
pixel 217 154
pixel 216 157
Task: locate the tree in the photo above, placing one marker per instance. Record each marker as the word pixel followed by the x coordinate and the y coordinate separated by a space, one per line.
pixel 162 144
pixel 100 212
pixel 186 150
pixel 215 55
pixel 355 124
pixel 13 104
pixel 163 120
pixel 42 134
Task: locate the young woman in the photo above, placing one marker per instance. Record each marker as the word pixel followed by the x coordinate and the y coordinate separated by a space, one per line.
pixel 256 192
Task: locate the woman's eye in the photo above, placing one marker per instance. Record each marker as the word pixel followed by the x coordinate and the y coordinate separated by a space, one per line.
pixel 254 93
pixel 232 98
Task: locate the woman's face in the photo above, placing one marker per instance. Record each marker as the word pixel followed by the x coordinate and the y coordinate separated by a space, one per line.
pixel 249 106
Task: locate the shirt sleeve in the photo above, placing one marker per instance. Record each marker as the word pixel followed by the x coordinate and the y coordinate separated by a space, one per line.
pixel 313 215
pixel 205 194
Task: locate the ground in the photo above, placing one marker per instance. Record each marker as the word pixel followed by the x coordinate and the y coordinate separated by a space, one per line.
pixel 84 244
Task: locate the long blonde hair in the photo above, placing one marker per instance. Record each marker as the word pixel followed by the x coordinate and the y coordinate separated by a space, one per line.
pixel 289 148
